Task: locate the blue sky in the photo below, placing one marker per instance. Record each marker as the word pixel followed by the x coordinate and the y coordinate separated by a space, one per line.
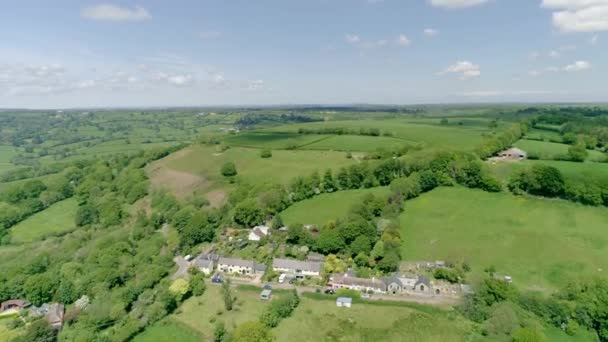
pixel 68 53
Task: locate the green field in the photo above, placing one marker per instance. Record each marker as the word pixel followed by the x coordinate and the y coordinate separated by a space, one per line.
pixel 540 243
pixel 457 137
pixel 56 219
pixel 326 207
pixel 571 170
pixel 543 134
pixel 282 167
pixel 322 320
pixel 549 150
pixel 6 153
pixel 272 140
pixel 168 330
pixel 357 143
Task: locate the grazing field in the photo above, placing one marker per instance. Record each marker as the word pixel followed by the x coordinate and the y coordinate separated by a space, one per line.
pixel 168 330
pixel 272 140
pixel 6 153
pixel 284 165
pixel 570 170
pixel 541 243
pixel 322 320
pixel 549 150
pixel 326 207
pixel 543 134
pixel 457 137
pixel 200 313
pixel 357 143
pixel 56 219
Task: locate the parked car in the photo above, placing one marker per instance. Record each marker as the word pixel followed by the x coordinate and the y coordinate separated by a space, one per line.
pixel 267 287
pixel 292 280
pixel 330 291
pixel 366 295
pixel 217 279
pixel 282 278
pixel 188 257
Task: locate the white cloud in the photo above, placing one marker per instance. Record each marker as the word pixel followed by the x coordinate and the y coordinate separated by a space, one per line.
pixel 430 32
pixel 578 66
pixel 209 34
pixel 352 38
pixel 464 69
pixel 534 73
pixel 579 15
pixel 107 12
pixel 552 69
pixel 255 85
pixel 553 54
pixel 402 40
pixel 180 80
pixel 456 3
pixel 593 40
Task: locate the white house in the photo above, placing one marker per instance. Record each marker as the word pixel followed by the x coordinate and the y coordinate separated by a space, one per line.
pixel 258 232
pixel 232 265
pixel 297 267
pixel 204 263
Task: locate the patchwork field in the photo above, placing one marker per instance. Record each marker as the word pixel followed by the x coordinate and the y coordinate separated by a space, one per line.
pixel 56 219
pixel 543 134
pixel 326 207
pixel 457 137
pixel 321 320
pixel 549 150
pixel 542 244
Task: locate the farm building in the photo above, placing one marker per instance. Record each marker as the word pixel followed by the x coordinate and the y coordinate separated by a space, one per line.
pixel 233 265
pixel 266 294
pixel 359 284
pixel 53 313
pixel 14 304
pixel 344 302
pixel 297 267
pixel 408 284
pixel 258 232
pixel 513 153
pixel 204 263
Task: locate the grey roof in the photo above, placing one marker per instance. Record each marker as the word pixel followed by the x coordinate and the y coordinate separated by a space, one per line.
pixel 344 300
pixel 423 280
pixel 266 293
pixel 514 150
pixel 363 282
pixel 393 279
pixel 309 266
pixel 203 263
pixel 259 267
pixel 236 262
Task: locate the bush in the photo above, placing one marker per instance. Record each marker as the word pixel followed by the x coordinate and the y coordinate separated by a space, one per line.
pixel 266 154
pixel 228 169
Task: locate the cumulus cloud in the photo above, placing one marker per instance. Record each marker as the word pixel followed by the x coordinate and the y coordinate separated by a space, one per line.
pixel 579 15
pixel 402 40
pixel 578 66
pixel 352 38
pixel 465 69
pixel 178 80
pixel 430 32
pixel 450 4
pixel 107 12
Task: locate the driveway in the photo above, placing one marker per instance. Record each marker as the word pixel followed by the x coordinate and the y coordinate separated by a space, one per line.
pixel 182 267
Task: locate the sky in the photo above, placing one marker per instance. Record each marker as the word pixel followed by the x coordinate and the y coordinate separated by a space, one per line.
pixel 68 53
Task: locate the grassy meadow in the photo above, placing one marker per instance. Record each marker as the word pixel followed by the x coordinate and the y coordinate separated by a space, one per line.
pixel 542 244
pixel 356 143
pixel 168 330
pixel 457 137
pixel 550 150
pixel 56 219
pixel 284 165
pixel 272 140
pixel 571 170
pixel 326 207
pixel 322 320
pixel 6 153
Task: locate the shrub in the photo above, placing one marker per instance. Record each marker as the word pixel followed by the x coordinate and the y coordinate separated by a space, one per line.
pixel 266 154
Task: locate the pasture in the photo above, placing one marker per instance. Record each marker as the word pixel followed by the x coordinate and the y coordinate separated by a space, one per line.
pixel 56 219
pixel 326 207
pixel 6 153
pixel 168 330
pixel 272 140
pixel 284 165
pixel 322 320
pixel 542 244
pixel 570 170
pixel 357 143
pixel 456 137
pixel 201 313
pixel 543 134
pixel 550 150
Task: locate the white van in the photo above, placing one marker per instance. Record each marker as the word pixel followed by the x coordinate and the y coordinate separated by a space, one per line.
pixel 282 278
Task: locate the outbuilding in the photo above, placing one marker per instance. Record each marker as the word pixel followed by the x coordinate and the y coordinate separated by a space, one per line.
pixel 344 302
